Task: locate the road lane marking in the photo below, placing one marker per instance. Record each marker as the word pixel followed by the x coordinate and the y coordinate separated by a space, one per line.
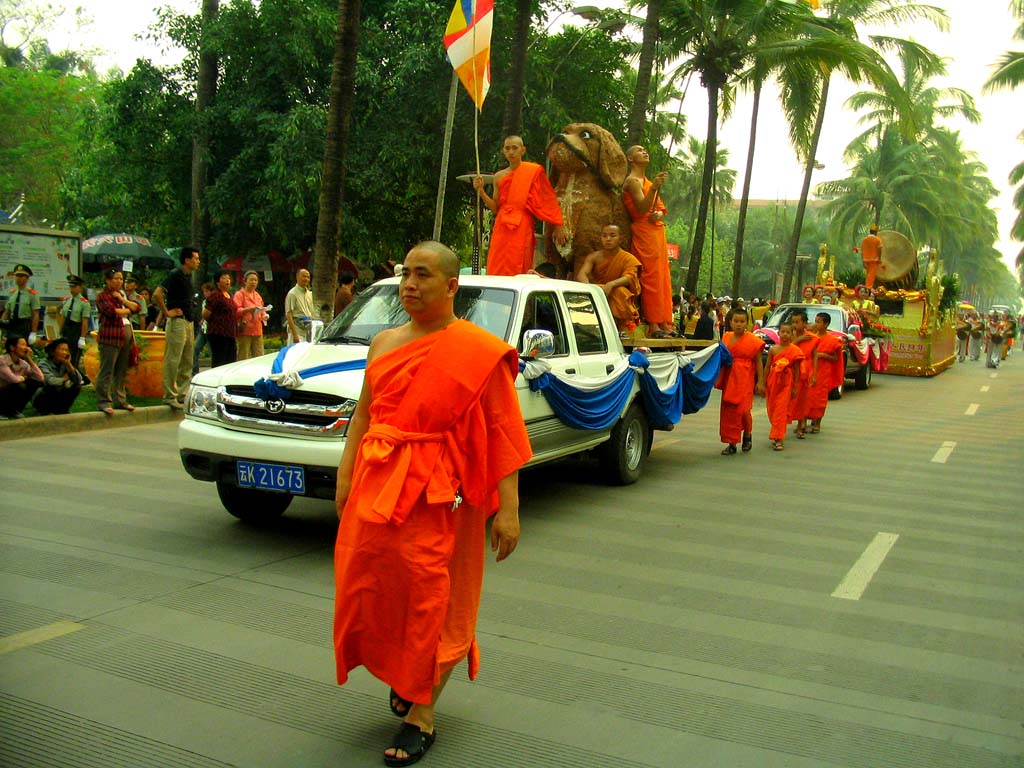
pixel 943 453
pixel 985 388
pixel 663 443
pixel 860 575
pixel 38 635
pixel 972 409
pixel 993 375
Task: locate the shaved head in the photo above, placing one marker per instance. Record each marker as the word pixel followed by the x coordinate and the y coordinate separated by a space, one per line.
pixel 448 261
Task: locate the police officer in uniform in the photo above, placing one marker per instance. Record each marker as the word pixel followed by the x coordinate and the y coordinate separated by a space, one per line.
pixel 74 319
pixel 21 312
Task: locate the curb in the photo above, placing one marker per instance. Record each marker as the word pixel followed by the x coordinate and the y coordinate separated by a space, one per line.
pixel 62 424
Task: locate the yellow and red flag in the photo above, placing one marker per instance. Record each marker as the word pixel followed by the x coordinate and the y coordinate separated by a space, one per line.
pixel 468 41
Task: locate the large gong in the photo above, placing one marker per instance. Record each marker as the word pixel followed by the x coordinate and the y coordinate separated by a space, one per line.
pixel 898 267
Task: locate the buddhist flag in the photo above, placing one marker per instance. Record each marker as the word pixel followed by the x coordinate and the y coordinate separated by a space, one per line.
pixel 468 41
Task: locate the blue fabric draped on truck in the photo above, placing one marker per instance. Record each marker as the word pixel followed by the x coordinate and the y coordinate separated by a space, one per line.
pixel 594 407
pixel 670 384
pixel 279 385
pixel 667 398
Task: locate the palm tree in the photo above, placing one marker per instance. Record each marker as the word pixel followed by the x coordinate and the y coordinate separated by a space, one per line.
pixel 794 53
pixel 328 223
pixel 1009 74
pixel 513 123
pixel 927 102
pixel 718 39
pixel 206 91
pixel 645 66
pixel 844 15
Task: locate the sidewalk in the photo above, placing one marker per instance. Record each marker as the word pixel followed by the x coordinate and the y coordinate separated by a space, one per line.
pixel 42 426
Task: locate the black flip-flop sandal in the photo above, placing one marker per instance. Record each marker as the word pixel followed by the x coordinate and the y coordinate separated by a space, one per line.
pixel 411 740
pixel 748 443
pixel 729 451
pixel 395 701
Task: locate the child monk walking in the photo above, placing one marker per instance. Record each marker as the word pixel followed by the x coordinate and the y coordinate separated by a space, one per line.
pixel 807 342
pixel 826 370
pixel 783 380
pixel 739 381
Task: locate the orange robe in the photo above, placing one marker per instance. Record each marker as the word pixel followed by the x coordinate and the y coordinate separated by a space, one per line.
pixel 623 298
pixel 524 195
pixel 798 405
pixel 651 247
pixel 871 253
pixel 779 388
pixel 830 375
pixel 737 384
pixel 444 420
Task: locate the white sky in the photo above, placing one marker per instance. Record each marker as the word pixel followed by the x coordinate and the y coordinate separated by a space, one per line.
pixel 980 31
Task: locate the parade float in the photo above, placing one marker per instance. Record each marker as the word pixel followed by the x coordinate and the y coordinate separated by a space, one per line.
pixel 922 328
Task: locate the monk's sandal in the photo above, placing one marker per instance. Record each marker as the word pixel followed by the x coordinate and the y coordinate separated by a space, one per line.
pixel 411 740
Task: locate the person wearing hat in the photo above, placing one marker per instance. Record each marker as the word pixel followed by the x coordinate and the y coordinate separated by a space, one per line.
pixel 871 254
pixel 131 286
pixel 73 319
pixel 21 312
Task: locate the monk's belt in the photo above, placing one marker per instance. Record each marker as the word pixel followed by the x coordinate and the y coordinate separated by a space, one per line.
pixel 388 453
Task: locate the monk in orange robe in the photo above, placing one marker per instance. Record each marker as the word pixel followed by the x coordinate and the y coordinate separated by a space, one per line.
pixel 783 379
pixel 807 342
pixel 826 370
pixel 739 381
pixel 871 255
pixel 647 211
pixel 617 272
pixel 434 447
pixel 523 194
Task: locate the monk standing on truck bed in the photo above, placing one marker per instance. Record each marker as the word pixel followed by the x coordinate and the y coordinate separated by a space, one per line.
pixel 434 448
pixel 522 194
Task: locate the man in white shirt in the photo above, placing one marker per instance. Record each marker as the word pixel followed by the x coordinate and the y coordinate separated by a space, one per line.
pixel 298 308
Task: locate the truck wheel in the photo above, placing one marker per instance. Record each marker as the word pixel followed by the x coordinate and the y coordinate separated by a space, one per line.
pixel 863 378
pixel 252 506
pixel 622 457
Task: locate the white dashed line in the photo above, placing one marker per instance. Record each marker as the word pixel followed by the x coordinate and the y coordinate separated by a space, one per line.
pixel 972 409
pixel 860 575
pixel 985 388
pixel 943 453
pixel 993 375
pixel 39 635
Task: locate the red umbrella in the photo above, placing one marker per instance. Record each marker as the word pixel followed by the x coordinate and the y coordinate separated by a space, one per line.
pixel 258 262
pixel 345 264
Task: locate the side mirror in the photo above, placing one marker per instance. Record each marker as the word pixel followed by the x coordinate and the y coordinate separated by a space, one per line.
pixel 538 344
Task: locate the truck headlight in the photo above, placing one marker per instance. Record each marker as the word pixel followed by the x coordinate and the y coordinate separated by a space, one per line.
pixel 202 402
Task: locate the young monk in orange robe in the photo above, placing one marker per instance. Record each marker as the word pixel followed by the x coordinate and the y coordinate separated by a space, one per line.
pixel 523 195
pixel 739 381
pixel 433 449
pixel 826 370
pixel 617 272
pixel 650 245
pixel 807 342
pixel 783 377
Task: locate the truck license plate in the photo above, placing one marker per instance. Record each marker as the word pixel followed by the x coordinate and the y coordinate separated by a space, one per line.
pixel 271 477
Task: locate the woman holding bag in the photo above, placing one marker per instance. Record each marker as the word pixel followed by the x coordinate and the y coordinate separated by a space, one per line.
pixel 252 319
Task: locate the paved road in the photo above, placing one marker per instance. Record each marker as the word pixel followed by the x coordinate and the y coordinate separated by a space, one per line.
pixel 685 621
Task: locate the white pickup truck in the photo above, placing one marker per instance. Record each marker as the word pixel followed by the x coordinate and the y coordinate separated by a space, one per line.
pixel 262 450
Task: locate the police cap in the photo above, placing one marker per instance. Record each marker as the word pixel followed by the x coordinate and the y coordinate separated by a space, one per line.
pixel 21 269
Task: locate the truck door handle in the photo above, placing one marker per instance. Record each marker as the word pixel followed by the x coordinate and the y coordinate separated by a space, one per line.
pixel 609 368
pixel 570 370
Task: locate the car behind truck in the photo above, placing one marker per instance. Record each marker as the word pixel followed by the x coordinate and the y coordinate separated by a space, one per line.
pixel 264 436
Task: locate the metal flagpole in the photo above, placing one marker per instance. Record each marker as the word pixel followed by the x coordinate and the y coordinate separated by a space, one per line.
pixel 442 182
pixel 478 213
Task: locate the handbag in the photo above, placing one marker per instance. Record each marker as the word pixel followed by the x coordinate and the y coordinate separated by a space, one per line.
pixel 134 356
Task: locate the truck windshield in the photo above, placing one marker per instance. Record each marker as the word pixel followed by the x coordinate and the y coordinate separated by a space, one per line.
pixel 378 307
pixel 782 315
